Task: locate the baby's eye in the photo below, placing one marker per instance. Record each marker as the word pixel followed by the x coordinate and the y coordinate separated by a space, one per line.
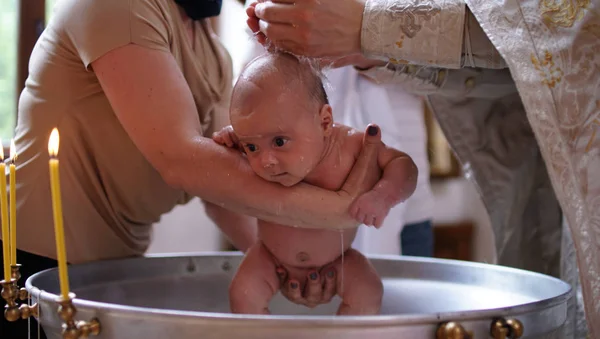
pixel 279 141
pixel 251 147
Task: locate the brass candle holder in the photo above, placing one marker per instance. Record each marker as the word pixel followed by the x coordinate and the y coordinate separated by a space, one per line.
pixel 11 293
pixel 73 329
pixel 15 273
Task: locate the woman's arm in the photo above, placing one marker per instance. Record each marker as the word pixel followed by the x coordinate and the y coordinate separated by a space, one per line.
pixel 241 230
pixel 155 106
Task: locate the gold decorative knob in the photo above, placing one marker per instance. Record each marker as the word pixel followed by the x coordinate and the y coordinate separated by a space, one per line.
pixel 506 329
pixel 452 330
pixel 516 328
pixel 89 328
pixel 12 314
pixel 23 294
pixel 29 311
pixel 15 272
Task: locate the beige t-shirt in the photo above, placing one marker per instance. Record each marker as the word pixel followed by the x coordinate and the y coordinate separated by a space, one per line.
pixel 111 194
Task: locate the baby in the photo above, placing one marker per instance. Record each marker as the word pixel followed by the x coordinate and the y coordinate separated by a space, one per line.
pixel 281 120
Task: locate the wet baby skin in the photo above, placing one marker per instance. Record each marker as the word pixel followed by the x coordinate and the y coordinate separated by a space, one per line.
pixel 281 120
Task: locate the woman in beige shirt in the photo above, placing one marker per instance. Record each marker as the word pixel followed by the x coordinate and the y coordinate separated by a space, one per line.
pixel 133 87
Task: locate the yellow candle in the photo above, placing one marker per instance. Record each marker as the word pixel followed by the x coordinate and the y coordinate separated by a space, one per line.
pixel 59 232
pixel 4 210
pixel 13 204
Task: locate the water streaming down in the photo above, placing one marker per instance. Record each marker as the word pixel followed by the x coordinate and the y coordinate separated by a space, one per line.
pixel 318 65
pixel 341 292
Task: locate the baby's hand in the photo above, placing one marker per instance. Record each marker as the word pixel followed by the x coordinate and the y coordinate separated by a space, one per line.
pixel 371 208
pixel 226 137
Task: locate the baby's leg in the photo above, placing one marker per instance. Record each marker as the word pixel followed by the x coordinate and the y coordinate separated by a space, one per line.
pixel 358 285
pixel 255 282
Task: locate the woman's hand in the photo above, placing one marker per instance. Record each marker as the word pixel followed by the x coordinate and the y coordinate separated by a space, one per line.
pixel 308 27
pixel 319 289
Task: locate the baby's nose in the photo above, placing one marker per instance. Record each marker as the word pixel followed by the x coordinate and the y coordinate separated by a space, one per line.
pixel 268 160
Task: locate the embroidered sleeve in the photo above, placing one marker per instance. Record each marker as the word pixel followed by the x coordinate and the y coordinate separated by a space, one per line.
pixel 424 32
pixel 466 82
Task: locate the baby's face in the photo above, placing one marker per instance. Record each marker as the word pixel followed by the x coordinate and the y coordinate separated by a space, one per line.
pixel 283 137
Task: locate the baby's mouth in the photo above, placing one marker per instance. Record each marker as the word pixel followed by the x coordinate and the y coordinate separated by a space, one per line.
pixel 279 175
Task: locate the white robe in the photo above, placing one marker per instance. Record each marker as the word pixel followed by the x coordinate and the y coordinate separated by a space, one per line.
pixel 357 101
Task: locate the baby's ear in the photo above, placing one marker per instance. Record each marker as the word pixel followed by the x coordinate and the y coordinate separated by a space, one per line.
pixel 326 118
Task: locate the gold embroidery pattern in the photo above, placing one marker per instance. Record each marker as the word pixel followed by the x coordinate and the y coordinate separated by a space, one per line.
pixel 398 61
pixel 411 14
pixel 550 73
pixel 562 13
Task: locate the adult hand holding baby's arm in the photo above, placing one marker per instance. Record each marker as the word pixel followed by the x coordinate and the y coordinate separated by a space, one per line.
pixel 397 184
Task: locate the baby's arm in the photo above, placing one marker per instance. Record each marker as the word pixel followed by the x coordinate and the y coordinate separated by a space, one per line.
pixel 227 137
pixel 398 170
pixel 395 186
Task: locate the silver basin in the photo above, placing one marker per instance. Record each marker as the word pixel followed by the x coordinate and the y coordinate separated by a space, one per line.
pixel 185 296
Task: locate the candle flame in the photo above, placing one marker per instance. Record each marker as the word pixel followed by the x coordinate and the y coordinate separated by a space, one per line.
pixel 1 152
pixel 53 143
pixel 13 150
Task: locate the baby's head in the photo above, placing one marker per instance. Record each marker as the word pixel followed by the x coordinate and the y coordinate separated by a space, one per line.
pixel 280 113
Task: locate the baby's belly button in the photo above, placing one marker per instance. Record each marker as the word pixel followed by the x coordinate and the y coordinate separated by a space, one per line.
pixel 306 259
pixel 302 257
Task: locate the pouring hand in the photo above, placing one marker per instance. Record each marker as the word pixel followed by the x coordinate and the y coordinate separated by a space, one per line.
pixel 307 27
